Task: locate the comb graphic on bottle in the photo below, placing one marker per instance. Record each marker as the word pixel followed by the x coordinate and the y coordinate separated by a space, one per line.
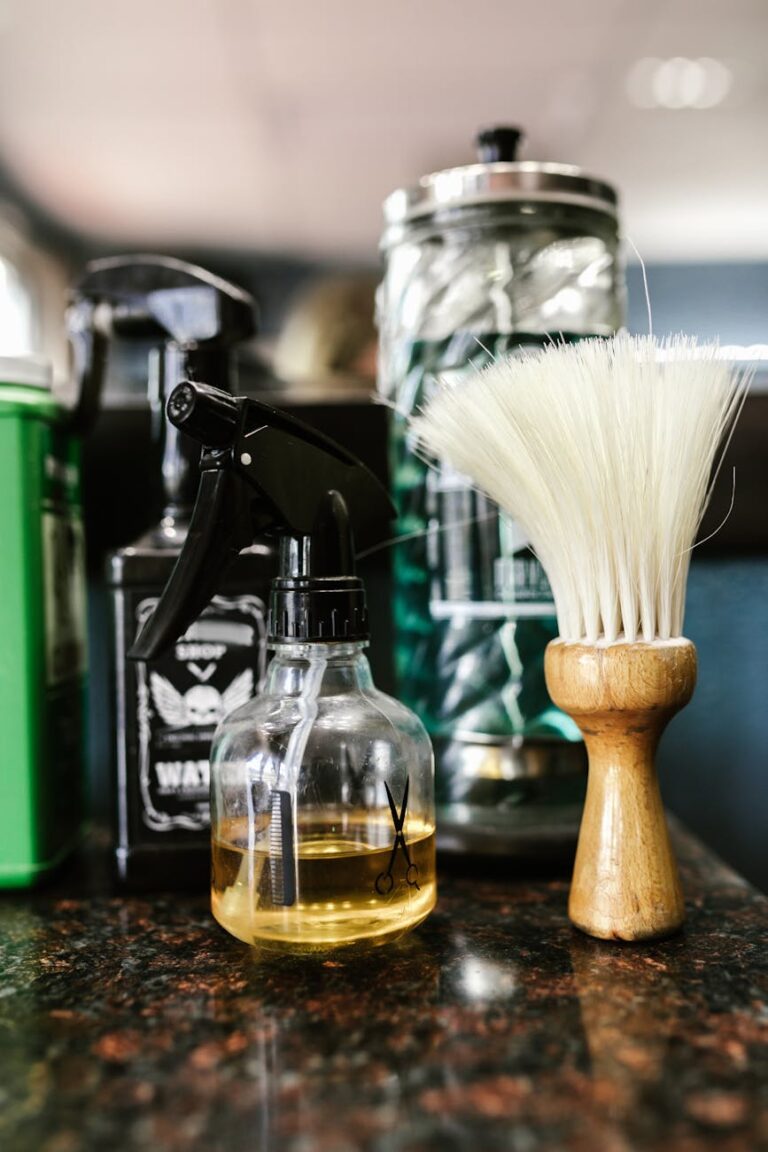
pixel 281 851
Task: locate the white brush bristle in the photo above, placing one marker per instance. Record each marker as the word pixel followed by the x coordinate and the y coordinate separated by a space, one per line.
pixel 603 452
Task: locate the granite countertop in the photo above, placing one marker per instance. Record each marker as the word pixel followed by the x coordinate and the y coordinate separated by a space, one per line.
pixel 135 1023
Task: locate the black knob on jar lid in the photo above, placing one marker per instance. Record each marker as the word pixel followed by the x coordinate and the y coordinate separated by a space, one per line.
pixel 498 145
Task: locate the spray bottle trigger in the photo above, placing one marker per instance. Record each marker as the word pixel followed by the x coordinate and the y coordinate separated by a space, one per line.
pixel 219 530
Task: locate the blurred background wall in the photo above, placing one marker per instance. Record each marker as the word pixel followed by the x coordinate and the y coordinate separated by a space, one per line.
pixel 260 139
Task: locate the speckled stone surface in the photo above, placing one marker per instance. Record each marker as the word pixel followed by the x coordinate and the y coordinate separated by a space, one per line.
pixel 135 1023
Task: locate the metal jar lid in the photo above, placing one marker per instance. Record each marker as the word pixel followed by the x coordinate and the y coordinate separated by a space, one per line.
pixel 499 178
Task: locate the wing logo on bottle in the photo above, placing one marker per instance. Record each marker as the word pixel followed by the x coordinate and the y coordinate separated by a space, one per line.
pixel 202 705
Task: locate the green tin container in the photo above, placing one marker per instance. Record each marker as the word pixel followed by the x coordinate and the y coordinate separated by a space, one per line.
pixel 42 627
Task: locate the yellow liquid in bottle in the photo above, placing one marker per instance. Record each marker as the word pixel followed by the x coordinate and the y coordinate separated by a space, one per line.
pixel 348 888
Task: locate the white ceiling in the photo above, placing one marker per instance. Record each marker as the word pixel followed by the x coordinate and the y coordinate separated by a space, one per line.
pixel 281 126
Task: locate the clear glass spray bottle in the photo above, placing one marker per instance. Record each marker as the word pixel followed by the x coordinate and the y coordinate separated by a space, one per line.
pixel 322 821
pixel 323 829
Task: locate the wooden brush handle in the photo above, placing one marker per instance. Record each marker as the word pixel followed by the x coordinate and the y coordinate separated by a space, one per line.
pixel 625 882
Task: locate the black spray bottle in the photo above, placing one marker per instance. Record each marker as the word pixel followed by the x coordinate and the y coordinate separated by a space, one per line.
pixel 166 709
pixel 322 787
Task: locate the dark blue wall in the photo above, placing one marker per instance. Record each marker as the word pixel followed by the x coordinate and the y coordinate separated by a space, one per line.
pixel 714 758
pixel 729 301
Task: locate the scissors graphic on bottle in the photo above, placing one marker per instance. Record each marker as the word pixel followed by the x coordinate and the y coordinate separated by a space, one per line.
pixel 385 881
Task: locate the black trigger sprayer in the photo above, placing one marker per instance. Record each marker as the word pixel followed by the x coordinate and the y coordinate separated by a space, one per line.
pixel 265 472
pixel 188 319
pixel 182 322
pixel 321 786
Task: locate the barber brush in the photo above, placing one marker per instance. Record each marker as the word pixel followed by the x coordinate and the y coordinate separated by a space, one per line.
pixel 604 452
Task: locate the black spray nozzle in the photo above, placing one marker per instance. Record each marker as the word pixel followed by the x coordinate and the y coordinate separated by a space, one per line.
pixel 192 315
pixel 159 300
pixel 207 414
pixel 263 471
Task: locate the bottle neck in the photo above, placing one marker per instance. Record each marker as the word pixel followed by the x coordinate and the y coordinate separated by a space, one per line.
pixel 331 669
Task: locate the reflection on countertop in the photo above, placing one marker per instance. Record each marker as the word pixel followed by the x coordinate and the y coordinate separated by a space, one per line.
pixel 135 1023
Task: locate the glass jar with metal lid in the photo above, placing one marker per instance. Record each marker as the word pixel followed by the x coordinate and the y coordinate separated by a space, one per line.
pixel 482 261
